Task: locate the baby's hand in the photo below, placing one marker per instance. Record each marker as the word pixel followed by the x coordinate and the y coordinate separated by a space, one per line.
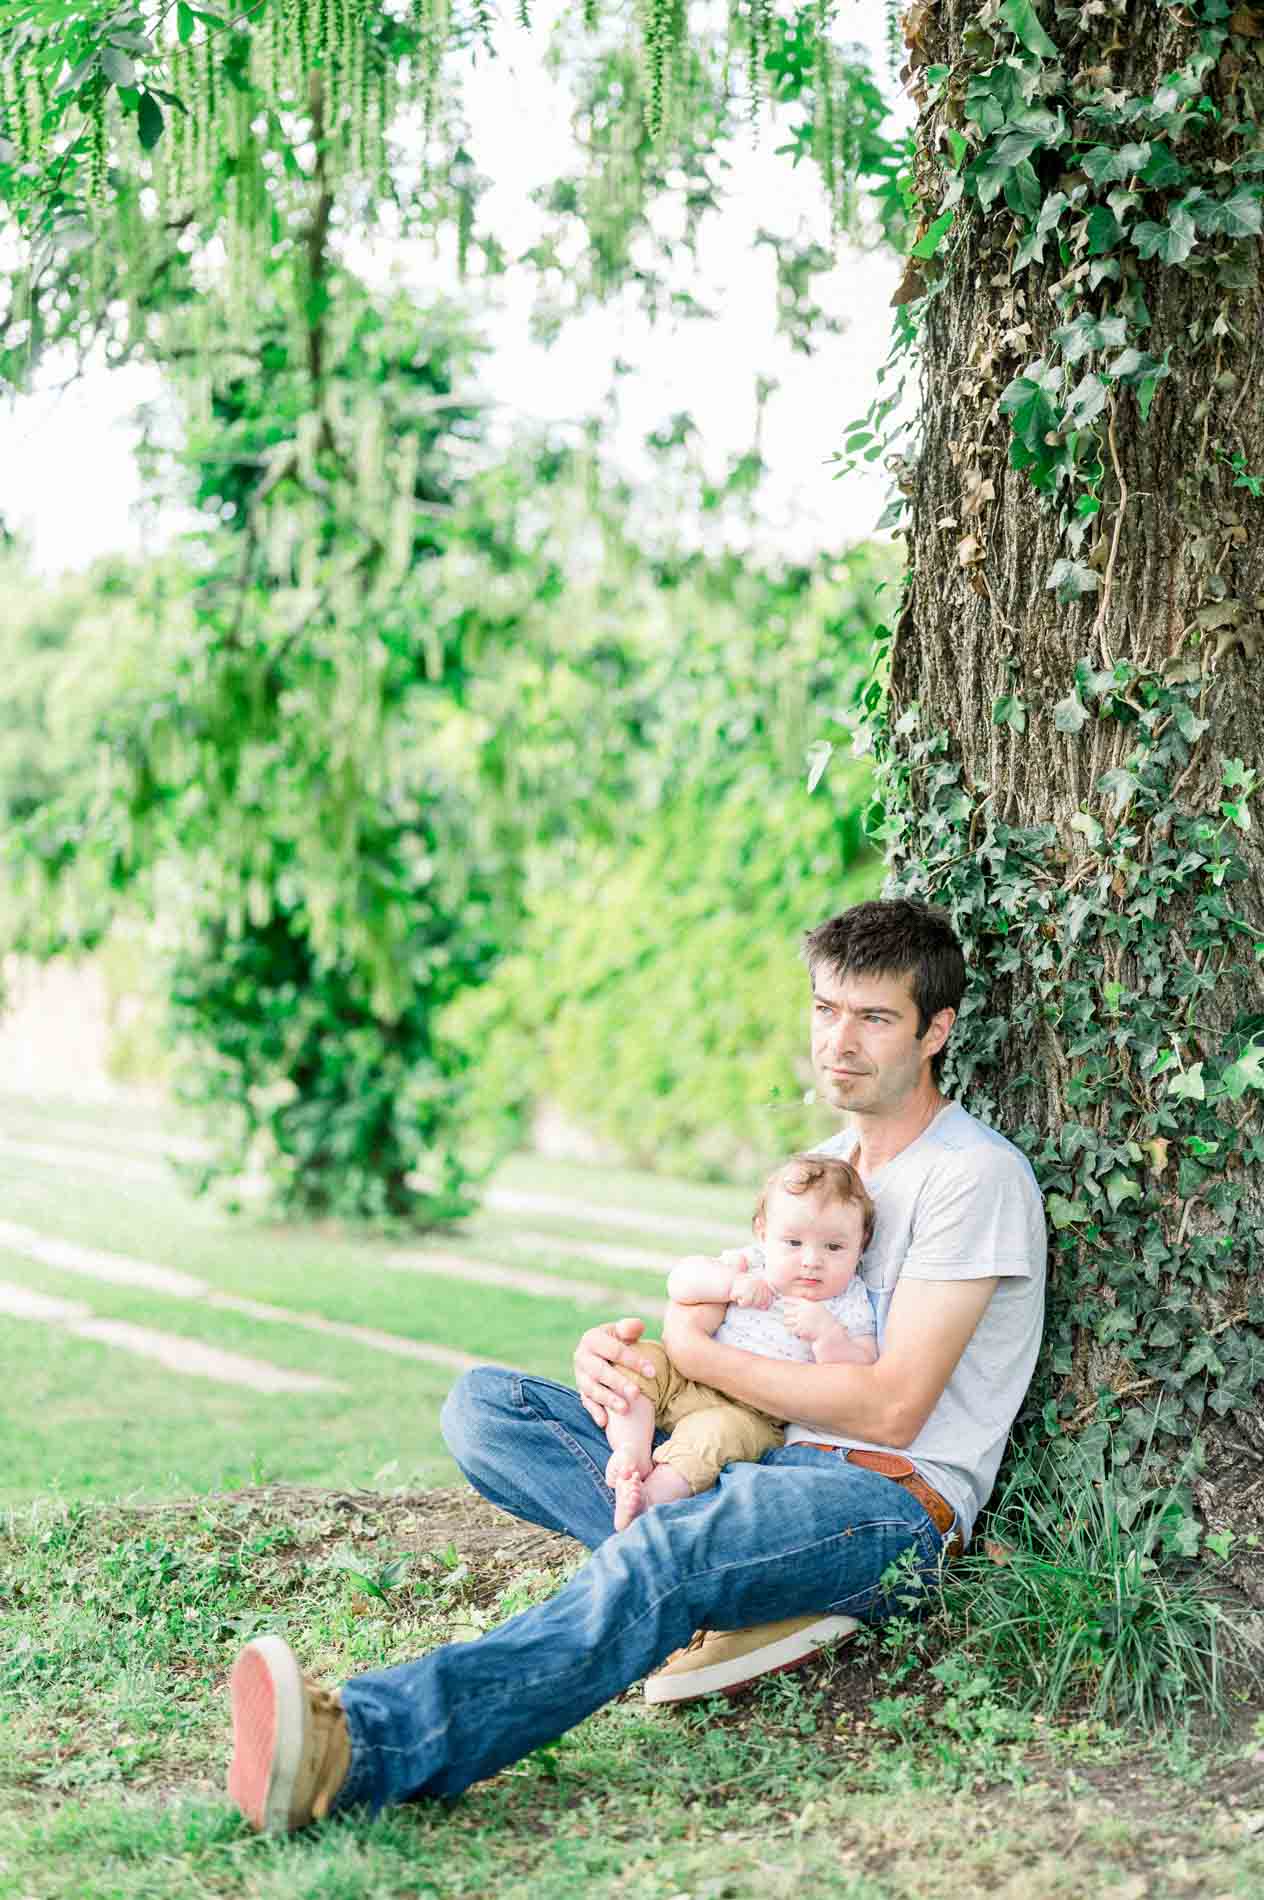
pixel 808 1319
pixel 750 1290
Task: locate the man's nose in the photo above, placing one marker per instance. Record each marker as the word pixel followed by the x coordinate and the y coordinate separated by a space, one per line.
pixel 843 1035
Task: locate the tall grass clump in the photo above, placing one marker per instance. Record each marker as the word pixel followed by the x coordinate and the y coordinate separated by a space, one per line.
pixel 1087 1594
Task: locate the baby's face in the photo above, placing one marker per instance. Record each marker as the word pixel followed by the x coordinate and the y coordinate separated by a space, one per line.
pixel 812 1246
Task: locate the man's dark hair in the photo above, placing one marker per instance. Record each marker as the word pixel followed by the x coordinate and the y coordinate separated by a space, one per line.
pixel 895 937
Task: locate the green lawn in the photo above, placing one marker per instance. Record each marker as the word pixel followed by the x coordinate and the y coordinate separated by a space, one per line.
pixel 85 1419
pixel 866 1780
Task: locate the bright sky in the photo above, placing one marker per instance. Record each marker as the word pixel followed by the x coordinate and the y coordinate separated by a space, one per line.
pixel 69 485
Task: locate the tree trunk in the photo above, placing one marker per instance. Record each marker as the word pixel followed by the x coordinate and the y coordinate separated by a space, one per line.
pixel 1083 828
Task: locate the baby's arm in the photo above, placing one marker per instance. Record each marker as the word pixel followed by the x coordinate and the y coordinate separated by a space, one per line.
pixel 699 1280
pixel 832 1344
pixel 842 1348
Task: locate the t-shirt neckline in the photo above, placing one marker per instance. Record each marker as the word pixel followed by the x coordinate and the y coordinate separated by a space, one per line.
pixel 871 1180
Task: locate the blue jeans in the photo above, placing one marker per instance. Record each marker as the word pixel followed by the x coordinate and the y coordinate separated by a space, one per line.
pixel 803 1531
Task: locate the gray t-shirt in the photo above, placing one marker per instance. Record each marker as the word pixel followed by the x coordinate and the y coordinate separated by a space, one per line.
pixel 959 1203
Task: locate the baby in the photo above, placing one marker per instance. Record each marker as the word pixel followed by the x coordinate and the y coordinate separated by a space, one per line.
pixel 802 1302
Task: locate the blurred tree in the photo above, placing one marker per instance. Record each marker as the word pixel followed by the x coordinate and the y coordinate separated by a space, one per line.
pixel 649 994
pixel 139 142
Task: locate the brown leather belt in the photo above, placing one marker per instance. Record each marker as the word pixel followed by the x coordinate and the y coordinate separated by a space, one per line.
pixel 902 1471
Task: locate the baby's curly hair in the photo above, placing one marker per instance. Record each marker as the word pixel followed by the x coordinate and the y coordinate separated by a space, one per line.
pixel 807 1174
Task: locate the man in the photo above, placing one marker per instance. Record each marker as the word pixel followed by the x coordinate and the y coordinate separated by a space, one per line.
pixel 883 1460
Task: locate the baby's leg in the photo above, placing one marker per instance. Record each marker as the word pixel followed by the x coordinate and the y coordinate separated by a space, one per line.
pixel 634 1494
pixel 631 1435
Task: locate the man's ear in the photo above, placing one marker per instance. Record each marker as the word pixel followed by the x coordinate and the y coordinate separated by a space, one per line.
pixel 937 1031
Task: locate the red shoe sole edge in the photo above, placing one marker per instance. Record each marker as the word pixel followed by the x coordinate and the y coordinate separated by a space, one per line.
pixel 254 1736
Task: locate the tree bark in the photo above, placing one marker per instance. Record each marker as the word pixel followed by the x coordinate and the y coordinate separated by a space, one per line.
pixel 1179 563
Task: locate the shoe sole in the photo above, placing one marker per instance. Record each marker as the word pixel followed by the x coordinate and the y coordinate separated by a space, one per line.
pixel 741 1672
pixel 266 1687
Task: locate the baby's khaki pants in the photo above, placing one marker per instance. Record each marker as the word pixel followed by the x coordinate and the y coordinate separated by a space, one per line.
pixel 708 1430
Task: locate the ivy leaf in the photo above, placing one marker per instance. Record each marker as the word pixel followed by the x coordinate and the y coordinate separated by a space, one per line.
pixel 1104 230
pixel 1247 1072
pixel 1107 164
pixel 1031 402
pixel 1064 1213
pixel 1069 715
pixel 1161 169
pixel 1072 579
pixel 1009 709
pixel 1121 1187
pixel 149 120
pixel 1090 333
pixel 1020 17
pixel 186 25
pixel 1078 912
pixel 1033 245
pixel 1201 1357
pixel 1171 243
pixel 1236 216
pixel 1138 368
pixel 1022 190
pixel 927 246
pixel 1188 1084
pixel 1092 829
pixel 1119 785
pixel 1086 403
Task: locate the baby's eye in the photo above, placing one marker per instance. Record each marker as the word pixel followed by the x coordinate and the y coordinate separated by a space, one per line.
pixel 794 1243
pixel 836 1246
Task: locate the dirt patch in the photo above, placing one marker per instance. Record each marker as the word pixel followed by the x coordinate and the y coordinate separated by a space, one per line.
pixel 421 1523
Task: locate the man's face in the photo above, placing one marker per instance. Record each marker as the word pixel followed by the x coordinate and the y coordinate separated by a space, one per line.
pixel 867 1056
pixel 812 1245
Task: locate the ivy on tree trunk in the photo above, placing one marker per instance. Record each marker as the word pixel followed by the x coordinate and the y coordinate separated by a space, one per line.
pixel 1072 735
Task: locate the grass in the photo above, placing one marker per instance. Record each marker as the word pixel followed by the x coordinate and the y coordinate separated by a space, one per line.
pixel 1091 1602
pixel 118 1627
pixel 1004 1744
pixel 83 1419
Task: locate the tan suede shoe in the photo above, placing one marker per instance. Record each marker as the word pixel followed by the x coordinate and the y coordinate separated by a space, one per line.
pixel 291 1745
pixel 724 1662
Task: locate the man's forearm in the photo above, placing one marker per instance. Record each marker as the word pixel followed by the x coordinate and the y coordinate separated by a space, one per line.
pixel 851 1400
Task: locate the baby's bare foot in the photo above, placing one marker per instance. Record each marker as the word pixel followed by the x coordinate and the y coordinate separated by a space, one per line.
pixel 629 1497
pixel 622 1460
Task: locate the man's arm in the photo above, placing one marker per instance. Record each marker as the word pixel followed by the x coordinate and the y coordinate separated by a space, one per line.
pixel 928 1328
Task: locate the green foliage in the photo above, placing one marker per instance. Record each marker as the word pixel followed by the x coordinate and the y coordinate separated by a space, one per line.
pixel 652 994
pixel 262 757
pixel 345 1111
pixel 1144 1178
pixel 1070 168
pixel 1083 1596
pixel 131 138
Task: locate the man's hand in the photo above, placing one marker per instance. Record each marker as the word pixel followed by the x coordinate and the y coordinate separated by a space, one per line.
pixel 808 1320
pixel 598 1356
pixel 751 1289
